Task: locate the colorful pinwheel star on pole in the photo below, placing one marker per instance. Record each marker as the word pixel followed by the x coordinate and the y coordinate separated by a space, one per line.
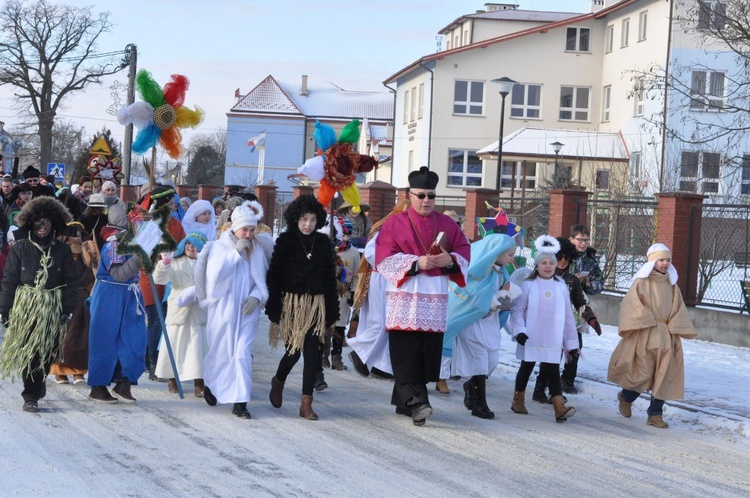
pixel 337 164
pixel 160 115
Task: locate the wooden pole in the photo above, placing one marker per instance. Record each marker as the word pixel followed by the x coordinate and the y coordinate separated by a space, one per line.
pixel 166 336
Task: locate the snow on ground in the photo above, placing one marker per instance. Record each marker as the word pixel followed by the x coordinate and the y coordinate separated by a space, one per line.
pixel 166 446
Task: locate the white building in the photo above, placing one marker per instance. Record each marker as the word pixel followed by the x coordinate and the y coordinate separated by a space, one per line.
pixel 599 74
pixel 287 113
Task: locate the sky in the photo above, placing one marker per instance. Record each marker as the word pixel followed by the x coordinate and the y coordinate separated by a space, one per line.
pixel 223 45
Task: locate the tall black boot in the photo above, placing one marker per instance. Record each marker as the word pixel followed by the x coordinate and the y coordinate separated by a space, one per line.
pixel 470 394
pixel 539 388
pixel 481 409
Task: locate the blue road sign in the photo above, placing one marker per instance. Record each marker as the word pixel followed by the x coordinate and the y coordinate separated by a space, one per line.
pixel 57 169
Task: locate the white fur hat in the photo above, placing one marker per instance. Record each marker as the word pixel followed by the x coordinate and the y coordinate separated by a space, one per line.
pixel 546 248
pixel 249 213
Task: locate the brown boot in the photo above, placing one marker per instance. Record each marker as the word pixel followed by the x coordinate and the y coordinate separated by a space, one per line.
pixel 519 403
pixel 336 363
pixel 199 387
pixel 305 409
pixel 625 408
pixel 562 412
pixel 277 390
pixel 657 421
pixel 172 386
pixel 441 386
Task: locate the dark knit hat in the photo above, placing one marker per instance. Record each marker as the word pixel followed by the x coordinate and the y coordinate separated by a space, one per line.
pixel 423 178
pixel 31 172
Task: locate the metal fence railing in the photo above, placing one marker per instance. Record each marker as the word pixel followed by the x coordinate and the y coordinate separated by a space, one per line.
pixel 724 254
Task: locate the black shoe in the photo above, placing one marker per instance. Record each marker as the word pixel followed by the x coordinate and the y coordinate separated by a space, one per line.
pixel 379 374
pixel 403 411
pixel 101 394
pixel 320 382
pixel 209 396
pixel 482 412
pixel 240 409
pixel 122 389
pixel 30 406
pixel 358 365
pixel 469 395
pixel 569 388
pixel 420 412
pixel 540 397
pixel 455 377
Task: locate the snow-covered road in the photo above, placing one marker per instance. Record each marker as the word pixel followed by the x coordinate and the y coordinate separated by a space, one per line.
pixel 164 446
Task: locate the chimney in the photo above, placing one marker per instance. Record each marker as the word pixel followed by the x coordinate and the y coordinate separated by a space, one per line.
pixel 303 90
pixel 494 7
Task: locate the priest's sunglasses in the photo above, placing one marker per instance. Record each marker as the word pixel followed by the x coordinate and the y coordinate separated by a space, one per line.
pixel 422 195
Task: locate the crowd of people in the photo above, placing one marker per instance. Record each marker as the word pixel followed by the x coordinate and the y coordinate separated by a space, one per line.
pixel 410 295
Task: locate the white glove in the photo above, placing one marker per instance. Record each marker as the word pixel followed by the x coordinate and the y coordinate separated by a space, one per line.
pixel 186 297
pixel 249 304
pixel 167 257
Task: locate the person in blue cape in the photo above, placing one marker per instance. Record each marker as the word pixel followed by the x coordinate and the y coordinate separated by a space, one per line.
pixel 476 315
pixel 117 331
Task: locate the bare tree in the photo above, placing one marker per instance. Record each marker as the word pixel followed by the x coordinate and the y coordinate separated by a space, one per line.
pixel 47 52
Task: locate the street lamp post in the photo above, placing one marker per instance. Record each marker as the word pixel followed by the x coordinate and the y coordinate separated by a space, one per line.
pixel 505 86
pixel 557 146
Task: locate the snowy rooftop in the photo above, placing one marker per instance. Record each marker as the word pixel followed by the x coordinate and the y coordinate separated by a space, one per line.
pixel 513 15
pixel 584 144
pixel 322 100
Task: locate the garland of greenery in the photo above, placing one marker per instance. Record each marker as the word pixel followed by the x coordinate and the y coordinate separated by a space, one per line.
pixel 127 244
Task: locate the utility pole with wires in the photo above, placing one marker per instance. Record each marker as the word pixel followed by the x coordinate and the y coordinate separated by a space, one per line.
pixel 131 60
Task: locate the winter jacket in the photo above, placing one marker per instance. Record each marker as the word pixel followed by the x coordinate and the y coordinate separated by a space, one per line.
pixel 589 261
pixel 291 272
pixel 577 299
pixel 23 264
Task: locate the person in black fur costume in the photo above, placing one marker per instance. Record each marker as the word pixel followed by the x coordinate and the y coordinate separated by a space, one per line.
pixel 37 297
pixel 582 312
pixel 302 297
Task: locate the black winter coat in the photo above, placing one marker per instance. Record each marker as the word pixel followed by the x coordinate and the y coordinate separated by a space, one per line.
pixel 291 272
pixel 22 266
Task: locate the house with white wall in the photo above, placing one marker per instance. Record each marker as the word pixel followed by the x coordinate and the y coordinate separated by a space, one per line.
pixel 599 74
pixel 287 113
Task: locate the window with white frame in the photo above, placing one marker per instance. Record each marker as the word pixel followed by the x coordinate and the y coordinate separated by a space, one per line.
pixel 712 15
pixel 574 103
pixel 526 101
pixel 635 165
pixel 464 168
pixel 506 175
pixel 578 40
pixel 609 38
pixel 745 177
pixel 406 106
pixel 707 90
pixel 421 100
pixel 411 160
pixel 413 113
pixel 642 25
pixel 602 179
pixel 468 98
pixel 700 172
pixel 606 102
pixel 625 34
pixel 640 92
